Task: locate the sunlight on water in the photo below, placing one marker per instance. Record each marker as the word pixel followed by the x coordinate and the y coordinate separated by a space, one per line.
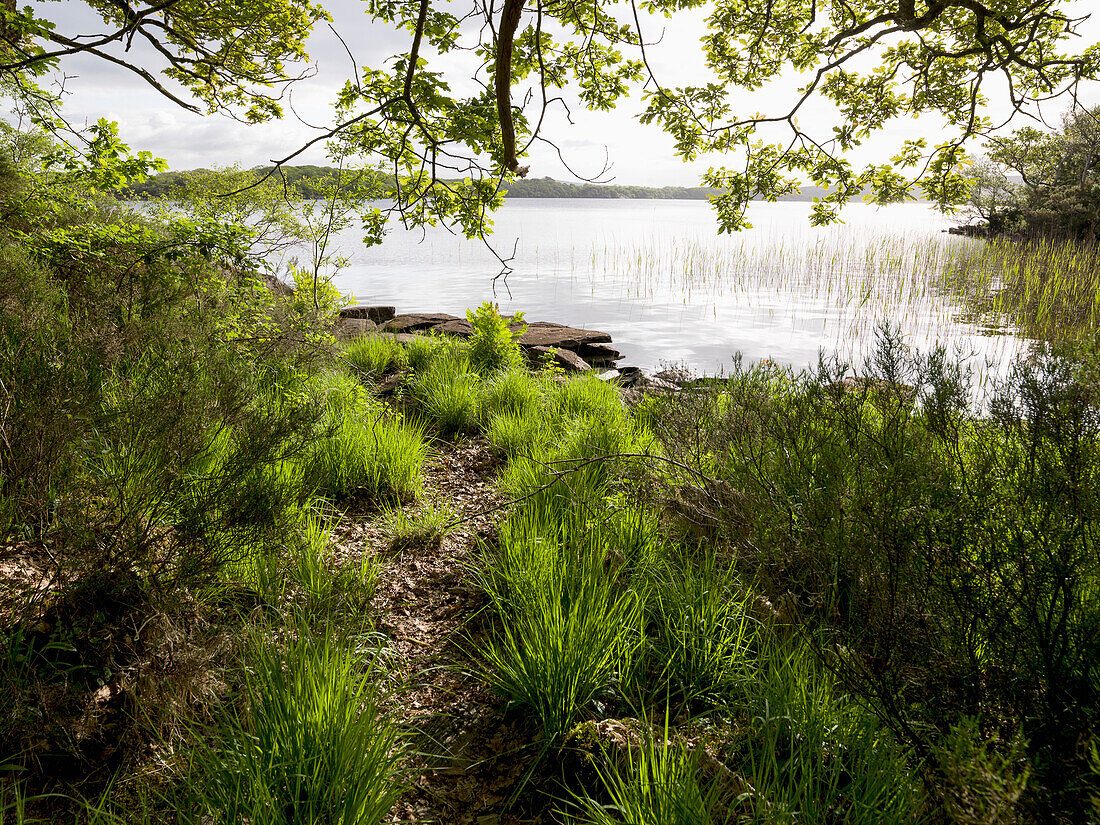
pixel 657 277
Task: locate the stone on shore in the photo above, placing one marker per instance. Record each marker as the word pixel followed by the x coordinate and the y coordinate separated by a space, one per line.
pixel 564 358
pixel 547 334
pixel 458 327
pixel 378 314
pixel 354 327
pixel 418 321
pixel 599 355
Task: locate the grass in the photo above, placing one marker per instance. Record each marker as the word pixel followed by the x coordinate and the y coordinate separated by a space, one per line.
pixel 514 392
pixel 512 435
pixel 1046 289
pixel 563 645
pixel 367 451
pixel 700 629
pixel 447 392
pixel 422 526
pixel 812 755
pixel 658 781
pixel 374 356
pixel 312 744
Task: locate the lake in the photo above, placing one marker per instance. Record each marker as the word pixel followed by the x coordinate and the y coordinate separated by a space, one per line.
pixel 656 276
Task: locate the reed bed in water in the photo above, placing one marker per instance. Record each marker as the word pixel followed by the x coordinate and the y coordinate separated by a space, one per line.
pixel 842 283
pixel 938 289
pixel 1044 289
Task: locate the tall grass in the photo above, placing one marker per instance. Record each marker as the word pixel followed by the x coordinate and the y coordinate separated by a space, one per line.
pixel 702 634
pixel 1047 289
pixel 374 356
pixel 312 744
pixel 366 450
pixel 563 644
pixel 447 393
pixel 811 755
pixel 658 781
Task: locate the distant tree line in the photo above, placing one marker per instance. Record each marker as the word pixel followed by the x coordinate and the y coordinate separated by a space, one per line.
pixel 307 180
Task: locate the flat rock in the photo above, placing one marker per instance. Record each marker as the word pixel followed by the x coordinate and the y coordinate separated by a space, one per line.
pixel 417 321
pixel 564 358
pixel 401 337
pixel 378 314
pixel 547 334
pixel 600 354
pixel 676 376
pixel 458 327
pixel 354 327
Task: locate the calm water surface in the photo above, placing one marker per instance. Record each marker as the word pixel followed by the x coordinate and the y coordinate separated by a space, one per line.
pixel 670 290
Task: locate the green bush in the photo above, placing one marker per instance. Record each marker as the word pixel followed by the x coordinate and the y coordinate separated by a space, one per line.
pixel 942 559
pixel 492 345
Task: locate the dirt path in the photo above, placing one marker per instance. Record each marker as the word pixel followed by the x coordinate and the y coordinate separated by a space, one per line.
pixel 471 750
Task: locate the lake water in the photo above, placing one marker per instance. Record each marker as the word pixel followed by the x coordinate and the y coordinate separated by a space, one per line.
pixel 670 290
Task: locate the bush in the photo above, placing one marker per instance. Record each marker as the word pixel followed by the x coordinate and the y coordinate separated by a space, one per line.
pixel 941 561
pixel 493 346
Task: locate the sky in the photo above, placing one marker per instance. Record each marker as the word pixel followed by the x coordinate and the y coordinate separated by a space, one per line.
pixel 639 155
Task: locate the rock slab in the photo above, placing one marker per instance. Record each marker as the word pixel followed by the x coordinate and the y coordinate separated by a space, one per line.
pixel 378 314
pixel 418 321
pixel 564 358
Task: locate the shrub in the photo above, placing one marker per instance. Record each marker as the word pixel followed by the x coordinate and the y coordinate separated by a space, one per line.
pixel 931 553
pixel 492 345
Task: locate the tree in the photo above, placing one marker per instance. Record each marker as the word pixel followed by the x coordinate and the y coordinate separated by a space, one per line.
pixel 875 60
pixel 1058 194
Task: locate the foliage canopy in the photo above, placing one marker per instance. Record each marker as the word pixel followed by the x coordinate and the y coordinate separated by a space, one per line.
pixel 443 108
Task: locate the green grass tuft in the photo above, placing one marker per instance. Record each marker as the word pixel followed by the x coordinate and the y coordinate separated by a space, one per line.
pixel 313 744
pixel 374 356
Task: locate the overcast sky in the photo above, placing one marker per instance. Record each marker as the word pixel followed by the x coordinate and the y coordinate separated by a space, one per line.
pixel 639 154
